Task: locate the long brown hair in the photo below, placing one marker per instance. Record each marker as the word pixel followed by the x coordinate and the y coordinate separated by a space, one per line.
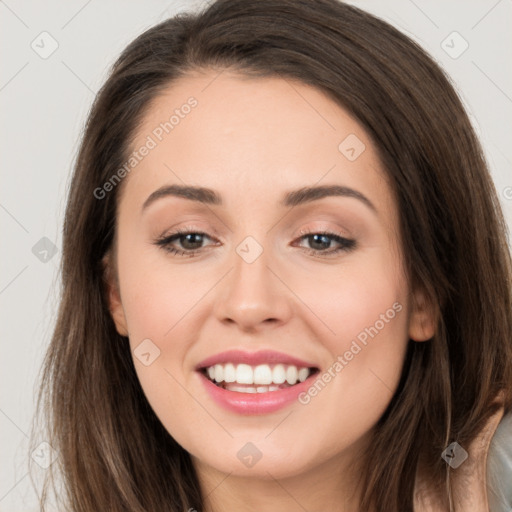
pixel 114 454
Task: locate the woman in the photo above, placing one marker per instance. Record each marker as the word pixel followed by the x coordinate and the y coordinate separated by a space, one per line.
pixel 338 335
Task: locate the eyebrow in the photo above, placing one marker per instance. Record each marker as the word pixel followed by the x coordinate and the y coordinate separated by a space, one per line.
pixel 290 199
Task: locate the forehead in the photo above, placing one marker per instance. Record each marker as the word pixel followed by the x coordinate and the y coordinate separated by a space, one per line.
pixel 248 136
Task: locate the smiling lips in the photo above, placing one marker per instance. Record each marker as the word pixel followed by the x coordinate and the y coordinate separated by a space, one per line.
pixel 263 371
pixel 254 383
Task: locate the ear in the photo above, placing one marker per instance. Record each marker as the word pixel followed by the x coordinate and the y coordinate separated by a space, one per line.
pixel 113 295
pixel 423 318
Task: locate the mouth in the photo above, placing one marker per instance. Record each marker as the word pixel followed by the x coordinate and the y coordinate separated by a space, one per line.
pixel 262 378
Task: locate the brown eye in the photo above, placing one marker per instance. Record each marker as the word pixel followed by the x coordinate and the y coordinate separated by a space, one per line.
pixel 190 241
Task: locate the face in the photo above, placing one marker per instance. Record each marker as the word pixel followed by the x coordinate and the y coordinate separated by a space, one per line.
pixel 314 278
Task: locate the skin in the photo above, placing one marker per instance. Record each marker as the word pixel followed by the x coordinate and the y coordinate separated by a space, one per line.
pixel 252 140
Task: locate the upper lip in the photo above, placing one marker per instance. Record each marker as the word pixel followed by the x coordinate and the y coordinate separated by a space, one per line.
pixel 253 359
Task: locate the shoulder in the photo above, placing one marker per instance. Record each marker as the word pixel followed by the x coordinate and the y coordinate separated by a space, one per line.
pixel 483 481
pixel 469 480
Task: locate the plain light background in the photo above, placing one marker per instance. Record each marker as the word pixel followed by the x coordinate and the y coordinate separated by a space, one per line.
pixel 44 100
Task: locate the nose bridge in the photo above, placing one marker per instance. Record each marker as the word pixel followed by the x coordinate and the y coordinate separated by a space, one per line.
pixel 253 293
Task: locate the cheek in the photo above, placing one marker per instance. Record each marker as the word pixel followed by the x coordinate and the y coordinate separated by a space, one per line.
pixel 165 304
pixel 348 301
pixel 156 295
pixel 362 321
pixel 159 304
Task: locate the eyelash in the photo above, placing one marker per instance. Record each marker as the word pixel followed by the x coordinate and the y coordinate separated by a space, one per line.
pixel 346 244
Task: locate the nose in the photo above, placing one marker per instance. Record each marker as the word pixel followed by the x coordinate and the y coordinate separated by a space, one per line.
pixel 253 295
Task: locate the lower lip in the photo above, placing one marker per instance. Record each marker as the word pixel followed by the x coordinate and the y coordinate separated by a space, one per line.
pixel 255 403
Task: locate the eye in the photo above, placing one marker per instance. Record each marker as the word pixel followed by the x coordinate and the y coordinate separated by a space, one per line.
pixel 189 239
pixel 322 241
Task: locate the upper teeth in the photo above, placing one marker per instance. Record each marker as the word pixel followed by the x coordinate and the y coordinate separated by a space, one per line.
pixel 261 374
